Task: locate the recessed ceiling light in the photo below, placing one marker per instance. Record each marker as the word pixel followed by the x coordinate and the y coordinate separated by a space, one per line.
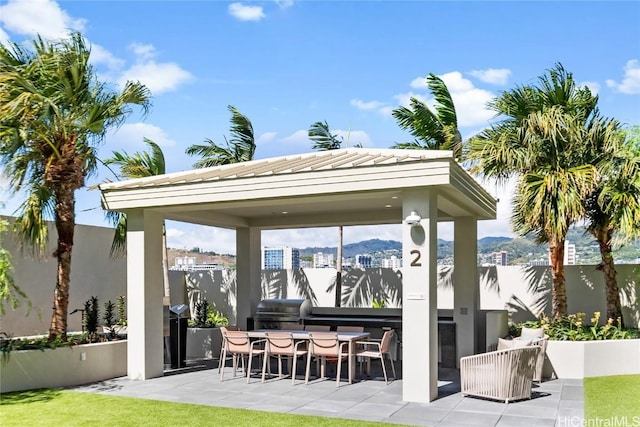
pixel 394 197
pixel 284 212
pixel 387 206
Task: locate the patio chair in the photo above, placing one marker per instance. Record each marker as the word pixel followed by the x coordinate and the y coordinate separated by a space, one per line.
pixel 223 330
pixel 324 345
pixel 536 336
pixel 377 350
pixel 238 345
pixel 282 344
pixel 501 375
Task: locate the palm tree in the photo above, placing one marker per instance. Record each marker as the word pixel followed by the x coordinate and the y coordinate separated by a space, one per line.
pixel 433 131
pixel 613 208
pixel 139 165
pixel 324 140
pixel 240 148
pixel 53 116
pixel 540 141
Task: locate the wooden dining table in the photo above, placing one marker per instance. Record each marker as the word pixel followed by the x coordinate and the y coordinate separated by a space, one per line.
pixel 349 337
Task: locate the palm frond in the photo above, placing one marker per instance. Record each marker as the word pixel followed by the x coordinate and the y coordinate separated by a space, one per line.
pixel 322 138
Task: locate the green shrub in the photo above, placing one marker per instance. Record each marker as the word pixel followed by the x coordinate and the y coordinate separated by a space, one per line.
pixel 574 328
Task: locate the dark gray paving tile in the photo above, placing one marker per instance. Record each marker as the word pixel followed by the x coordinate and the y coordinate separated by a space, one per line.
pixel 471 404
pixel 571 404
pixel 419 412
pixel 333 406
pixel 539 412
pixel 378 410
pixel 572 393
pixel 471 418
pixel 516 421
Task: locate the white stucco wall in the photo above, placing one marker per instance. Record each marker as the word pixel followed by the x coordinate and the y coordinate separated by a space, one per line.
pixel 93 273
pixel 525 291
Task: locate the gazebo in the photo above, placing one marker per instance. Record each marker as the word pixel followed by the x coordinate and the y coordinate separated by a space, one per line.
pixel 354 186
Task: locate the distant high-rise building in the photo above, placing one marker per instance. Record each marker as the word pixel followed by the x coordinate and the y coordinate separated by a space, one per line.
pixel 500 258
pixel 363 261
pixel 539 262
pixel 570 255
pixel 393 262
pixel 280 258
pixel 321 260
pixel 189 263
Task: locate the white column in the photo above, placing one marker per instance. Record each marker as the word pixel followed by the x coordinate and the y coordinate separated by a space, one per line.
pixel 145 357
pixel 248 273
pixel 465 284
pixel 419 298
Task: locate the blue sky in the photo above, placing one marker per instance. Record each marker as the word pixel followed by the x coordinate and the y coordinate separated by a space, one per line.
pixel 286 64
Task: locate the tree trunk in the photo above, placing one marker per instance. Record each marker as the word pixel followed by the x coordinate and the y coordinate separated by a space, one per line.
pixel 65 223
pixel 614 308
pixel 559 293
pixel 339 270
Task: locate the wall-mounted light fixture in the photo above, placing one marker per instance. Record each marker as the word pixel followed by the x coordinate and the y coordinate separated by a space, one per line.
pixel 413 218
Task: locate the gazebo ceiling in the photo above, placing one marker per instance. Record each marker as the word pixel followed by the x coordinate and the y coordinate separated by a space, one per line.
pixel 352 186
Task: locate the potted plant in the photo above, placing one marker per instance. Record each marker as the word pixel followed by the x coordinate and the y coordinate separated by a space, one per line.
pixel 203 334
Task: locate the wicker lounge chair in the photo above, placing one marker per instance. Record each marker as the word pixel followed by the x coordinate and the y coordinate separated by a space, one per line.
pixel 502 375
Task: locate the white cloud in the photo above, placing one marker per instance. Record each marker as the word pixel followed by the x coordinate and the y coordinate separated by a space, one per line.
pixel 133 134
pixel 267 137
pixel 386 111
pixel 246 13
pixel 297 137
pixel 4 37
pixel 419 83
pixel 159 77
pixel 404 99
pixel 143 52
pixel 495 76
pixel 284 4
pixel 44 17
pixel 594 87
pixel 366 105
pixel 470 101
pixel 630 84
pixel 187 236
pixel 353 137
pixel 456 83
pixel 101 55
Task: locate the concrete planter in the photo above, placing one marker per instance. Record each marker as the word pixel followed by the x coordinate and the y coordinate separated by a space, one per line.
pixel 203 343
pixel 584 359
pixel 63 366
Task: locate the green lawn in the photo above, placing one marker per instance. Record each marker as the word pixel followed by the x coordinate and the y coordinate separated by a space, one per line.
pixel 613 398
pixel 69 408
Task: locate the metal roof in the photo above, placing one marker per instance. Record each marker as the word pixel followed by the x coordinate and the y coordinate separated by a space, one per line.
pixel 349 187
pixel 348 158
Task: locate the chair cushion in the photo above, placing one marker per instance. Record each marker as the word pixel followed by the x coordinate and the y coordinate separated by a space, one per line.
pixel 507 344
pixel 531 333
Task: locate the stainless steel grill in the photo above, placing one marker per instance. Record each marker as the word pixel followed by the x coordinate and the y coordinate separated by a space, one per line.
pixel 273 313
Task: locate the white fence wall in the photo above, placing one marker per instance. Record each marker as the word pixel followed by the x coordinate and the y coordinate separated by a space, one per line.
pixel 93 273
pixel 524 291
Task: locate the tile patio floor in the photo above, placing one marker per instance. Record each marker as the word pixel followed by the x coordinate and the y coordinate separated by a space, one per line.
pixel 554 402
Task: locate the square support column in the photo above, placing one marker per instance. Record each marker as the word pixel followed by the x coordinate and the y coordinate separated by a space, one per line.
pixel 145 358
pixel 419 298
pixel 465 284
pixel 248 273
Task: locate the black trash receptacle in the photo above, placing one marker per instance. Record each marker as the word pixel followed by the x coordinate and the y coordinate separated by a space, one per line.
pixel 182 333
